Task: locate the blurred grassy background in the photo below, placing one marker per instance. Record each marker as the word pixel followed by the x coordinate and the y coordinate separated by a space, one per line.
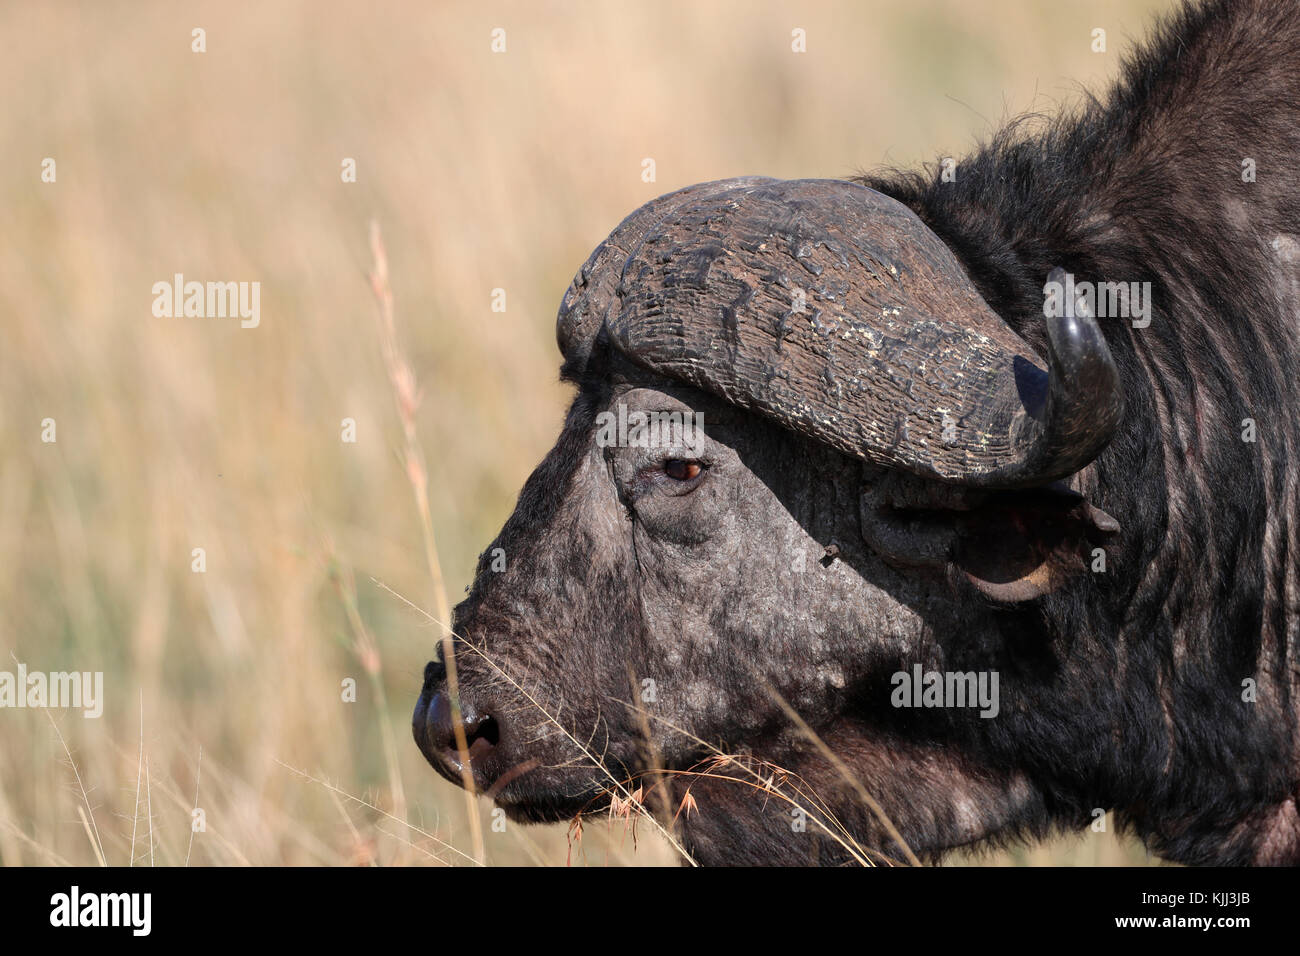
pixel 485 171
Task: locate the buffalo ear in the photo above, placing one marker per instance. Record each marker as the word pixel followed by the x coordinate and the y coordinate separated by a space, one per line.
pixel 1010 546
pixel 1020 546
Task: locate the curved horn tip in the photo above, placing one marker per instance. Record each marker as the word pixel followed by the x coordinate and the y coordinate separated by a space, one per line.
pixel 1074 338
pixel 1085 400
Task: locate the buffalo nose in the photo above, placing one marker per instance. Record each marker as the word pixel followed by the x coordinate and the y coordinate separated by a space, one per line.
pixel 434 725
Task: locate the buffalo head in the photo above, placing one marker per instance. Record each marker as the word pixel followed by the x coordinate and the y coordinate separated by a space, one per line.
pixel 805 456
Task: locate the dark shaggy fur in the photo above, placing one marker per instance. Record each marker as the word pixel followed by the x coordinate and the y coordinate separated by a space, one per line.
pixel 1147 186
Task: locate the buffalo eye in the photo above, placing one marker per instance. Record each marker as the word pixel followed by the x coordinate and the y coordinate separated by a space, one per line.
pixel 680 470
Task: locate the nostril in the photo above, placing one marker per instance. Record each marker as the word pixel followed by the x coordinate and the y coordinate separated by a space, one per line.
pixel 484 729
pixel 481 730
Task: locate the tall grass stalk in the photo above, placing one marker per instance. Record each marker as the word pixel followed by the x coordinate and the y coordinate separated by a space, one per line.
pixel 407 396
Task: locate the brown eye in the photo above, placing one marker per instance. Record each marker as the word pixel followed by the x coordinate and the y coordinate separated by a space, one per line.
pixel 679 470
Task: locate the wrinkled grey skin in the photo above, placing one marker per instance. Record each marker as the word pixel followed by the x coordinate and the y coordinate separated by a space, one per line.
pixel 717 590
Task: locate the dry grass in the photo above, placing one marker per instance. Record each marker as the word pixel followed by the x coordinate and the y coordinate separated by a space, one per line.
pixel 485 171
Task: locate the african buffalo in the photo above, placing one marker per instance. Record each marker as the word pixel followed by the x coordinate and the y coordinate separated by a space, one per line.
pixel 970 509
